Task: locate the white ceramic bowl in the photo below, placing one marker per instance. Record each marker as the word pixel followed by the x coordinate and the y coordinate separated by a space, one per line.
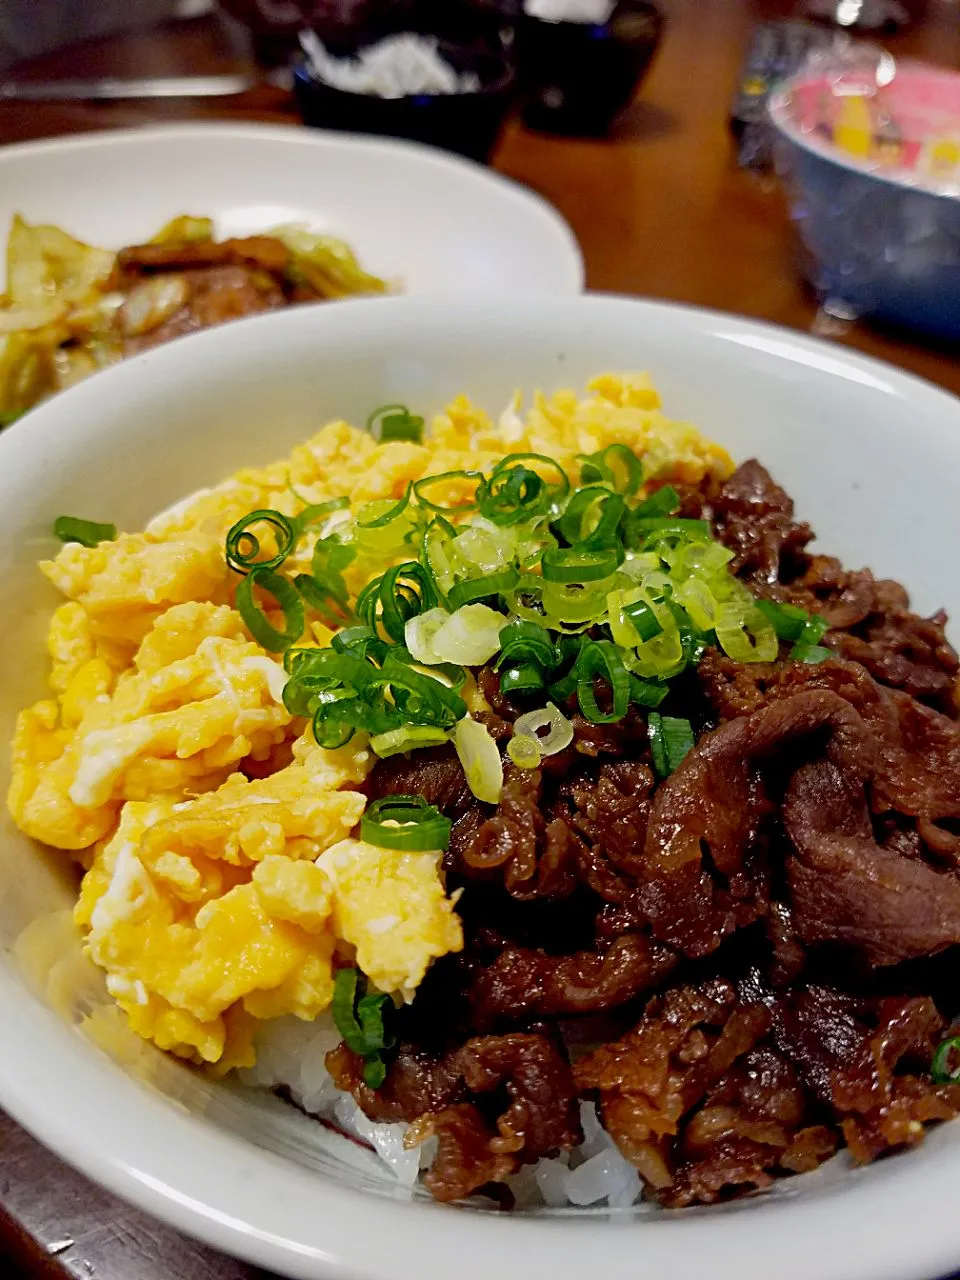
pixel 871 456
pixel 433 222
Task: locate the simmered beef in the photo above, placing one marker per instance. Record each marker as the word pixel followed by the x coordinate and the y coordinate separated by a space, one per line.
pixel 736 963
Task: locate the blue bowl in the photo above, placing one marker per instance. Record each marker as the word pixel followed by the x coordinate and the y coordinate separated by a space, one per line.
pixel 876 245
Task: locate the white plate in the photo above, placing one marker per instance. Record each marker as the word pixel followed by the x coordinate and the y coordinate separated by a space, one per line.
pixel 436 223
pixel 871 456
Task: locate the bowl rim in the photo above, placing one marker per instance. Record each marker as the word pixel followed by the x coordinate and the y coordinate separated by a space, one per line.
pixel 256 1205
pixel 898 178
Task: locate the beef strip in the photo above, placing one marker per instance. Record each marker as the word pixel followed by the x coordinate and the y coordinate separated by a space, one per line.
pixel 536 1116
pixel 522 983
pixel 708 818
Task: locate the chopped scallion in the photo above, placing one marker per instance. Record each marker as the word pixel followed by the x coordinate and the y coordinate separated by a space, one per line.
pixel 405 822
pixel 258 624
pixel 87 532
pixel 671 737
pixel 395 422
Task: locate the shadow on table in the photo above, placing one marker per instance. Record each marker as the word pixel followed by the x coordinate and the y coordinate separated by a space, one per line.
pixel 643 122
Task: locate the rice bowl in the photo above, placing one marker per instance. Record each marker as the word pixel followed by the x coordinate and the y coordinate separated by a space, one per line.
pixel 491 369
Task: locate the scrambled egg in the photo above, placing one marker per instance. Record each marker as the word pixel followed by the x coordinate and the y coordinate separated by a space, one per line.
pixel 222 885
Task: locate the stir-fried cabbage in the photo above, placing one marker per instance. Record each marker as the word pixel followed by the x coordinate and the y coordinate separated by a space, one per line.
pixel 66 312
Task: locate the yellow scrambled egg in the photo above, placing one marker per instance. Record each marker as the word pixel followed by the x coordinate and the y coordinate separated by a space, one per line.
pixel 222 884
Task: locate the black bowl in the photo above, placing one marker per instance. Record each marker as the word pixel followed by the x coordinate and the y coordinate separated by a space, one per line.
pixel 577 77
pixel 467 123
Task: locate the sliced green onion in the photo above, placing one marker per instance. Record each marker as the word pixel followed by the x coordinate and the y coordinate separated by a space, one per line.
pixel 330 558
pixel 573 565
pixel 331 734
pixel 395 422
pixel 813 632
pixel 592 517
pixel 671 737
pixel 560 733
pixel 243 547
pixel 524 751
pixel 374 1071
pixel 787 620
pixel 406 823
pixel 744 633
pixel 557 489
pixel 491 584
pixel 361 642
pixel 672 524
pixel 525 677
pixel 418 634
pixel 419 699
pixel 257 623
pixel 575 606
pixel 332 612
pixel 645 693
pixel 379 514
pixel 812 654
pixel 514 495
pixel 616 465
pixel 435 554
pixel 527 642
pixel 87 532
pixel 313 513
pixel 941 1072
pixel 449 674
pixel 470 636
pixel 480 758
pixel 600 658
pixel 642 618
pixel 662 503
pixel 410 738
pixel 396 596
pixel 421 487
pixel 360 1019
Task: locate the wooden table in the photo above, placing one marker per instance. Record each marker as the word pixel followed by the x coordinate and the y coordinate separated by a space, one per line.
pixel 660 209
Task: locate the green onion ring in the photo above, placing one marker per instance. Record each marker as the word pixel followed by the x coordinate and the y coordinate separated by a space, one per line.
pixel 243 547
pixel 473 589
pixel 421 485
pixel 602 658
pixel 287 597
pixel 940 1069
pixel 395 422
pixel 388 517
pixel 422 826
pixel 572 565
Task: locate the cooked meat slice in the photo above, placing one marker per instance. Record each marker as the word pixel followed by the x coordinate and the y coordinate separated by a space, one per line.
pixel 867 1060
pixel 522 983
pixel 543 1117
pixel 646 1083
pixel 754 518
pixel 848 889
pixel 611 815
pixel 708 818
pixel 535 855
pixel 258 251
pixel 755 1124
pixel 465 1161
pixel 451 1097
pixel 214 295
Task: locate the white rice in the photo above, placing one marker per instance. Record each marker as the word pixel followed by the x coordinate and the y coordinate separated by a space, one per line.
pixel 290 1054
pixel 396 67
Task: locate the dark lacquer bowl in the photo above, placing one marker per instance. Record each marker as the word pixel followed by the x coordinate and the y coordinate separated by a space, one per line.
pixel 467 123
pixel 577 77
